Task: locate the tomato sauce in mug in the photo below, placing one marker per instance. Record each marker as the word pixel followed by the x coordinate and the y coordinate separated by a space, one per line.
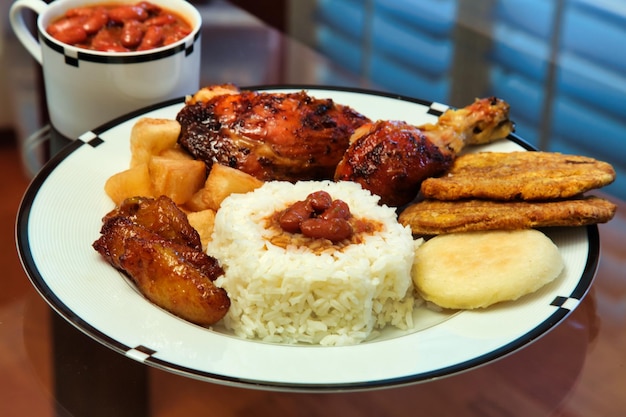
pixel 119 27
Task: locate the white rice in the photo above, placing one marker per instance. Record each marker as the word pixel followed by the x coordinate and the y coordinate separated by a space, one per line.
pixel 293 294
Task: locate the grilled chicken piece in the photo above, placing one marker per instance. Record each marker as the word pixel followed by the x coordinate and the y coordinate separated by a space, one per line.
pixel 271 136
pixel 147 240
pixel 392 158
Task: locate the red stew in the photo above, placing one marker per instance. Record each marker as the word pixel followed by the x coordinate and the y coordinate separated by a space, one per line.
pixel 119 28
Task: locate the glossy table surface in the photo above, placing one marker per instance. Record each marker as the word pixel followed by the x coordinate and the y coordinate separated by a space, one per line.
pixel 576 369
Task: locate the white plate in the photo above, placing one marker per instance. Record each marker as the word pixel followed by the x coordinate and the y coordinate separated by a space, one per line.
pixel 60 217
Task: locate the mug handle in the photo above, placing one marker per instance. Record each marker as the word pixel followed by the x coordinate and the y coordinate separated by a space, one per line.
pixel 20 28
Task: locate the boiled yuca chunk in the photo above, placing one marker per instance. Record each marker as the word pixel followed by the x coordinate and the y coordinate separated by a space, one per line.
pixel 477 269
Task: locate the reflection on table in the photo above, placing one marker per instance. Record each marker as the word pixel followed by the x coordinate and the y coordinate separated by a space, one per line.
pixel 560 64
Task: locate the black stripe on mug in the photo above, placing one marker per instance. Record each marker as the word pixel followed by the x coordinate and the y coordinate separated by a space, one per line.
pixel 73 58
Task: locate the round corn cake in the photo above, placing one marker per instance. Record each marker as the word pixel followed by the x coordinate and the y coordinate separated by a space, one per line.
pixel 477 269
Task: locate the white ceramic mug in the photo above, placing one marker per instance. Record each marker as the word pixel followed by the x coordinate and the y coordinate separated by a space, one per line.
pixel 86 88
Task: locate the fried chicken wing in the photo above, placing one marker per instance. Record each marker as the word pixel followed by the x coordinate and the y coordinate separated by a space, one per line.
pixel 151 241
pixel 392 158
pixel 271 136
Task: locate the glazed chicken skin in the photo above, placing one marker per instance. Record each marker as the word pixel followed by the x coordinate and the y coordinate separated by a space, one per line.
pixel 392 158
pixel 153 244
pixel 389 158
pixel 271 136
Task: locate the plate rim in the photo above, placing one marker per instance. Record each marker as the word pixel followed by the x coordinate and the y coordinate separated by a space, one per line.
pixel 37 280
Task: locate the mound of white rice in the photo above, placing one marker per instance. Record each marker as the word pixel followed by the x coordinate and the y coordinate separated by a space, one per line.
pixel 295 294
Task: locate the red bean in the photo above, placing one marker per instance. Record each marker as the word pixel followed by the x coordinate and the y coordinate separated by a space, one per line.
pixel 132 34
pixel 65 24
pixel 153 38
pixel 122 13
pixel 104 41
pixel 96 21
pixel 290 219
pixel 338 209
pixel 162 20
pixel 334 230
pixel 71 35
pixel 319 200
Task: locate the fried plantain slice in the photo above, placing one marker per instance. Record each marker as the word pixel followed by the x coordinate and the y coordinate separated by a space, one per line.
pixel 159 215
pixel 151 241
pixel 434 217
pixel 112 245
pixel 518 176
pixel 168 280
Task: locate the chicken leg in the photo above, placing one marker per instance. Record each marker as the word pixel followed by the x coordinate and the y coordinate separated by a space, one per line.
pixel 392 158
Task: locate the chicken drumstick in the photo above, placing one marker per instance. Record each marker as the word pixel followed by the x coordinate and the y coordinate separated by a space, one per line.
pixel 392 158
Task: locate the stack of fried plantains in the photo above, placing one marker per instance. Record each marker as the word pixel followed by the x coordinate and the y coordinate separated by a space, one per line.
pixel 512 190
pixel 153 243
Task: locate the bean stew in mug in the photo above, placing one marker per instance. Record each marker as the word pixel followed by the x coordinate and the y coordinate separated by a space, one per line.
pixel 119 27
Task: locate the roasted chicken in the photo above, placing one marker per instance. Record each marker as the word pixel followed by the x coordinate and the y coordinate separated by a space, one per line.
pixel 392 158
pixel 271 136
pixel 151 242
pixel 293 136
